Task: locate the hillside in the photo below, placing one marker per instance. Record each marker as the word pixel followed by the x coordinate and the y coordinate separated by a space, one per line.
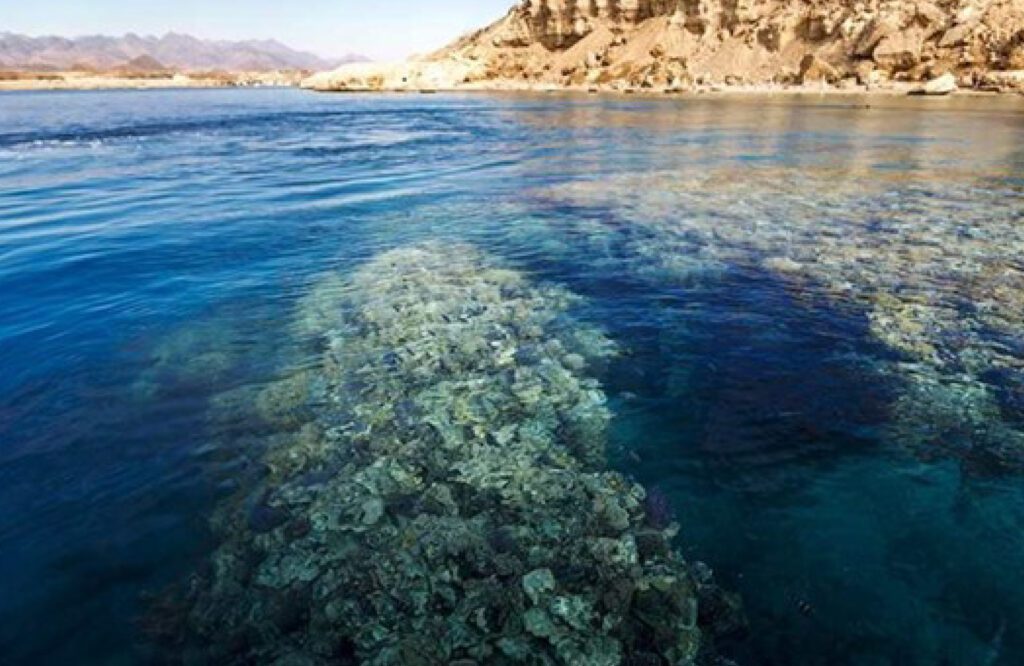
pixel 678 44
pixel 172 51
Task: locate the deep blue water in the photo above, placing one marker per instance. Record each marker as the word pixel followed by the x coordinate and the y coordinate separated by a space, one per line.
pixel 864 496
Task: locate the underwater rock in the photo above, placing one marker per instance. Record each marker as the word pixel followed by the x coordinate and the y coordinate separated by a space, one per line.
pixel 450 500
pixel 956 415
pixel 944 293
pixel 782 265
pixel 537 583
pixel 263 517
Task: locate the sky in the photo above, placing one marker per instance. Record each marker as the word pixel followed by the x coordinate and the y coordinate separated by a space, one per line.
pixel 380 29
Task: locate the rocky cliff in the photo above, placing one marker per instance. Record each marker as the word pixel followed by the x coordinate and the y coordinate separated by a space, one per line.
pixel 666 42
pixel 678 43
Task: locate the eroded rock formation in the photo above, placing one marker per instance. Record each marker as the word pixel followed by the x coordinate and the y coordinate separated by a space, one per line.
pixel 676 43
pixel 666 42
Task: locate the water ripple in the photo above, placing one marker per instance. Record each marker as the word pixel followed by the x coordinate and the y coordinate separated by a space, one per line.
pixel 817 306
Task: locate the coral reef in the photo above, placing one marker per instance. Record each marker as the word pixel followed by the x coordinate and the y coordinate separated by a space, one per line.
pixel 942 291
pixel 447 499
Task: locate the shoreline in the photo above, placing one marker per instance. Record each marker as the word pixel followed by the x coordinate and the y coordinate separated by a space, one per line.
pixel 102 83
pixel 754 90
pixel 687 92
pixel 744 90
pixel 63 81
pixel 433 76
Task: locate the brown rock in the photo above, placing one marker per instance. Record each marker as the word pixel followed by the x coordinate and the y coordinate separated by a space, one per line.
pixel 898 51
pixel 1015 60
pixel 873 33
pixel 930 14
pixel 1007 80
pixel 955 36
pixel 866 73
pixel 813 69
pixel 629 43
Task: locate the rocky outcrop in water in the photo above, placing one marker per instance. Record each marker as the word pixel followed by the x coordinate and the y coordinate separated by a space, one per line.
pixel 673 44
pixel 445 499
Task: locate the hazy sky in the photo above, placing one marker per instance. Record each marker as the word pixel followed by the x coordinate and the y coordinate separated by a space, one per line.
pixel 380 29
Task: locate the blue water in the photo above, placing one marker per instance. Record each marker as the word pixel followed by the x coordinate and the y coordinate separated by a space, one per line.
pixel 153 246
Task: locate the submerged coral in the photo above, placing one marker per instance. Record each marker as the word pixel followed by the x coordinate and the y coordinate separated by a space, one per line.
pixel 448 499
pixel 940 283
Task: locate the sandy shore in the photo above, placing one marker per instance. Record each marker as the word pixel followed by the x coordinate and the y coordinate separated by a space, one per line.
pixel 108 83
pixel 82 82
pixel 459 76
pixel 891 90
pixel 87 81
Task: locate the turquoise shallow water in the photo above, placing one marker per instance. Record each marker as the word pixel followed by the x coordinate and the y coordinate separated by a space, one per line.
pixel 820 304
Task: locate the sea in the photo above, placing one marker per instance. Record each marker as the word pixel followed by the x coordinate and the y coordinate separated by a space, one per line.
pixel 817 304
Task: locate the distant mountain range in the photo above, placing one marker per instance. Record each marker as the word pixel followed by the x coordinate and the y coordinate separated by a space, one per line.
pixel 172 52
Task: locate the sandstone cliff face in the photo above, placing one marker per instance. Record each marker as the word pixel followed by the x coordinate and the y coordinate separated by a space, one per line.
pixel 665 43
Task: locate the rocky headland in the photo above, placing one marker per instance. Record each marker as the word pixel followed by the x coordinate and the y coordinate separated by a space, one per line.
pixel 679 45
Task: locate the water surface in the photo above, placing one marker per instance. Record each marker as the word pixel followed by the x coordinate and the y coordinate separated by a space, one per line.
pixel 820 303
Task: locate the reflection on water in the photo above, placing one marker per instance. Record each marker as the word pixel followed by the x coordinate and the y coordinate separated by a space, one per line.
pixel 816 308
